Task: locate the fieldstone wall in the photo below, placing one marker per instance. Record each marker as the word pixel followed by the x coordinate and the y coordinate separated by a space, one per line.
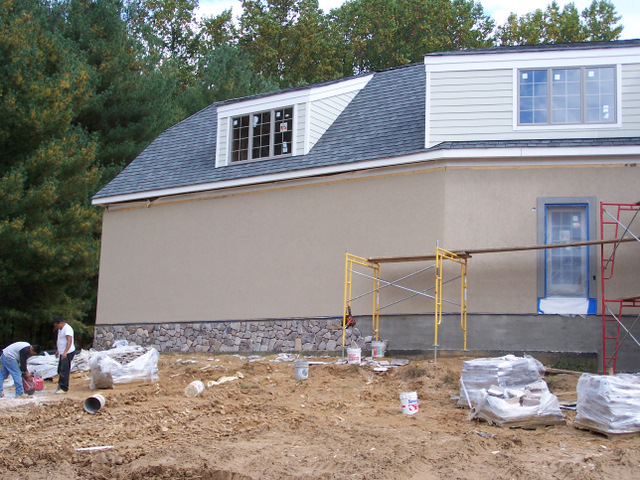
pixel 246 336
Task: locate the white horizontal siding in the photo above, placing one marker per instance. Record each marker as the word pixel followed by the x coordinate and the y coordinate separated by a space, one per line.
pixel 479 105
pixel 323 113
pixel 299 128
pixel 470 105
pixel 221 143
pixel 631 97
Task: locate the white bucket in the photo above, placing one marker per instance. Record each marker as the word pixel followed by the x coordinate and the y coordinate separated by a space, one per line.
pixel 301 369
pixel 353 355
pixel 377 349
pixel 409 402
pixel 194 389
pixel 94 403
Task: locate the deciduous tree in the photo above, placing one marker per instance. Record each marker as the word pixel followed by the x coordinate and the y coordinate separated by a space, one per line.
pixel 598 22
pixel 289 40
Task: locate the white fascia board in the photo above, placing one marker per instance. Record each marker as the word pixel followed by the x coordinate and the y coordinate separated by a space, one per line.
pixel 347 86
pixel 524 59
pixel 304 95
pixel 427 109
pixel 458 157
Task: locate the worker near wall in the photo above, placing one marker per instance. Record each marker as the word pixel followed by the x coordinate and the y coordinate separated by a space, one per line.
pixel 65 351
pixel 14 363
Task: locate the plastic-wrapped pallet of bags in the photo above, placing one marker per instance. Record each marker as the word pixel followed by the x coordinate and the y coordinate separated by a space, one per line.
pixel 609 404
pixel 45 366
pixel 105 371
pixel 101 366
pixel 532 406
pixel 508 371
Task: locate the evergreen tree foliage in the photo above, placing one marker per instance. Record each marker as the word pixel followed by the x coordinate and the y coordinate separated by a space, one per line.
pixel 227 72
pixel 86 85
pixel 168 30
pixel 48 230
pixel 133 100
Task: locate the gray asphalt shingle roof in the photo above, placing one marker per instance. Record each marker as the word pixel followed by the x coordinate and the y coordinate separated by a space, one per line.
pixel 385 119
pixel 392 102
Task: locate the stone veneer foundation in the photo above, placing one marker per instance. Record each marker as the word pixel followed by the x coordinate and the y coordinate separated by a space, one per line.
pixel 238 336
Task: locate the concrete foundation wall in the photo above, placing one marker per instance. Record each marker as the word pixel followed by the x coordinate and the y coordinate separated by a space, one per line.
pixel 564 340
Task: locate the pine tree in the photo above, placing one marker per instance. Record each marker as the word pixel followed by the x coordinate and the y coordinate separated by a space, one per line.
pixel 49 233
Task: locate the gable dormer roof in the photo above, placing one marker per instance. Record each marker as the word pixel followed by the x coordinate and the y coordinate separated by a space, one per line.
pixel 369 127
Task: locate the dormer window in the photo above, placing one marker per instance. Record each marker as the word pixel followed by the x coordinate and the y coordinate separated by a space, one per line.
pixel 576 95
pixel 262 135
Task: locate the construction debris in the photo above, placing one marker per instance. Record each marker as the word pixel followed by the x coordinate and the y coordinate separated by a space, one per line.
pixel 225 379
pixel 46 366
pixel 609 404
pixel 105 370
pixel 508 391
pixel 529 407
pixel 505 372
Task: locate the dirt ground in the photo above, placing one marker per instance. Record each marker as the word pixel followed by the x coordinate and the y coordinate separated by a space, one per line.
pixel 343 422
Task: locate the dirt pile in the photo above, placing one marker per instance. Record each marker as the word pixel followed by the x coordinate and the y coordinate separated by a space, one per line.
pixel 343 422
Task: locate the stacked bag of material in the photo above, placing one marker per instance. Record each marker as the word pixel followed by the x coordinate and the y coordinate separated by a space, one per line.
pixel 508 391
pixel 46 366
pixel 508 371
pixel 609 404
pixel 106 370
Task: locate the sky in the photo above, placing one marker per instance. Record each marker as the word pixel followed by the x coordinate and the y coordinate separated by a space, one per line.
pixel 498 9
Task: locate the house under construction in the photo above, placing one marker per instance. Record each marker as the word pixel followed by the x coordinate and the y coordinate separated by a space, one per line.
pixel 229 232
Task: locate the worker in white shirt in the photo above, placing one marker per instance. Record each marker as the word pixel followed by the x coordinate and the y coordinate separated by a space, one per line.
pixel 65 351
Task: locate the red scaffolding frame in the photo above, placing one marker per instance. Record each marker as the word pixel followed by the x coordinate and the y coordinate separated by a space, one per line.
pixel 612 224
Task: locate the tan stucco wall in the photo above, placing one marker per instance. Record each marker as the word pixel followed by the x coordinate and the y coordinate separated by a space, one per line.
pixel 279 253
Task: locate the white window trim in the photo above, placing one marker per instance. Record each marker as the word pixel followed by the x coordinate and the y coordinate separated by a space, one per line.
pixel 529 60
pixel 229 146
pixel 567 126
pixel 279 100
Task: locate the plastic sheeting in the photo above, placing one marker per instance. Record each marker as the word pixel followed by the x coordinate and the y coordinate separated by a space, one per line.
pixel 105 371
pixel 507 371
pixel 508 391
pixel 45 366
pixel 130 362
pixel 533 407
pixel 609 403
pixel 564 306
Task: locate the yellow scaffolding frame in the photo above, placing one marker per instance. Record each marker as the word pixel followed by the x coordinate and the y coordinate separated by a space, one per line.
pixel 441 255
pixel 348 277
pixel 460 257
pixel 374 264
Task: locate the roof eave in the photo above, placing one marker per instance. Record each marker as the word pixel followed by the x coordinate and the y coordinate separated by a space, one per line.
pixel 542 155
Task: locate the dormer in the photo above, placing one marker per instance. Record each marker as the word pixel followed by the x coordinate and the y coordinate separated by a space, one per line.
pixel 286 123
pixel 532 92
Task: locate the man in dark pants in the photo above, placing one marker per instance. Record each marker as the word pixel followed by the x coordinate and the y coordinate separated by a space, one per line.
pixel 65 352
pixel 14 362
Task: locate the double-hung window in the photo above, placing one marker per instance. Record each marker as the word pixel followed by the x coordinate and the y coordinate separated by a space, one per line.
pixel 580 95
pixel 262 135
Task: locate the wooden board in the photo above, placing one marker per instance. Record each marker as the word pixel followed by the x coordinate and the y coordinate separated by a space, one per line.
pixel 467 253
pixel 593 427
